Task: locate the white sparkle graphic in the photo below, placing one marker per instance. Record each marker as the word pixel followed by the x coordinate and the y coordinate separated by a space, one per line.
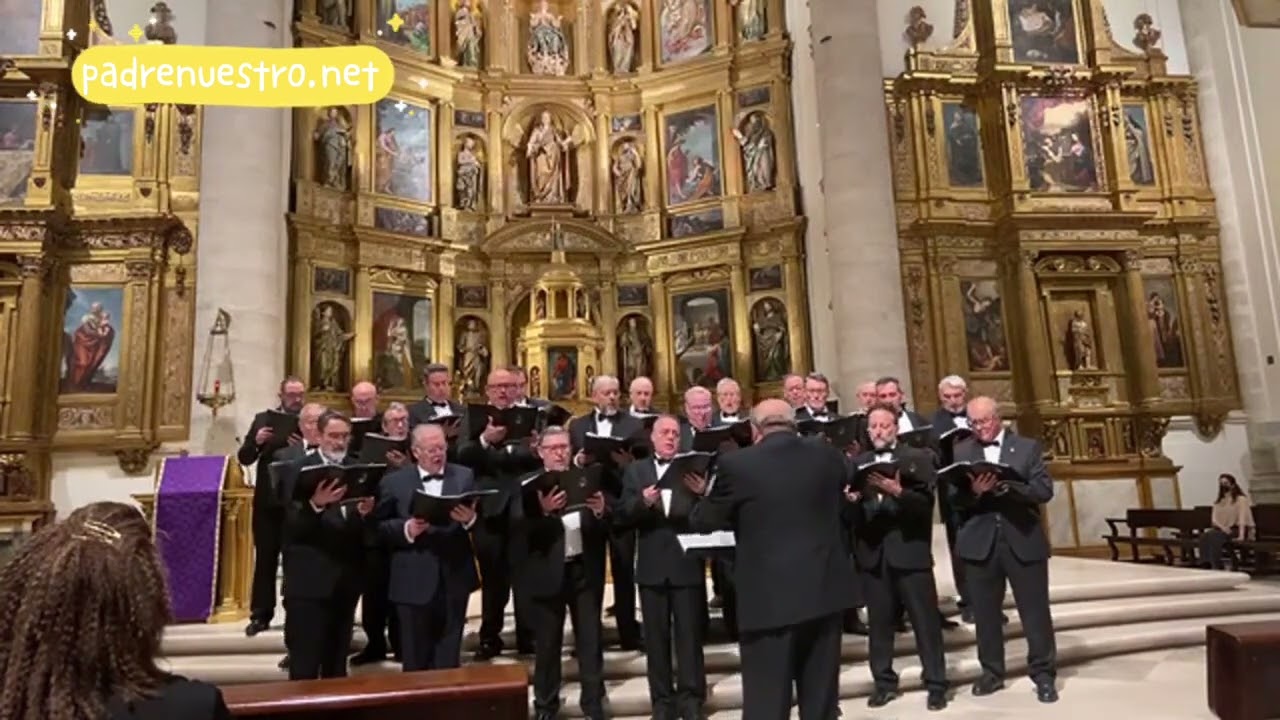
pixel 71 34
pixel 401 106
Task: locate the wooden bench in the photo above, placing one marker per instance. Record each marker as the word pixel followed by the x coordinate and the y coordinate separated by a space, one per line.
pixel 1257 554
pixel 1244 670
pixel 1142 527
pixel 492 692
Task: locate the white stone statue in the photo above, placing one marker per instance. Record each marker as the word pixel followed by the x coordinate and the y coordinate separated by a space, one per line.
pixel 548 51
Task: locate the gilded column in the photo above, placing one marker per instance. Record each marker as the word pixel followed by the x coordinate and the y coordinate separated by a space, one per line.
pixel 444 310
pixel 662 351
pixel 793 281
pixel 362 352
pixel 499 340
pixel 652 160
pixel 444 168
pixel 603 199
pixel 1036 360
pixel 609 323
pixel 495 175
pixel 648 35
pixel 732 159
pixel 25 381
pixel 741 323
pixel 1142 355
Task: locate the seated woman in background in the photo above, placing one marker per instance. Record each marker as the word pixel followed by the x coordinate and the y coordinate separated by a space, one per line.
pixel 1232 519
pixel 83 607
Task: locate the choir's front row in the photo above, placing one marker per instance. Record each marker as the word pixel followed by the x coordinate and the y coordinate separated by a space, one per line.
pixel 558 522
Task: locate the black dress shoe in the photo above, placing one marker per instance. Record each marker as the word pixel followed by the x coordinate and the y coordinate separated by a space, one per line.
pixel 855 626
pixel 946 622
pixel 487 651
pixel 987 685
pixel 1046 692
pixel 284 663
pixel 937 700
pixel 256 626
pixel 966 615
pixel 881 697
pixel 368 656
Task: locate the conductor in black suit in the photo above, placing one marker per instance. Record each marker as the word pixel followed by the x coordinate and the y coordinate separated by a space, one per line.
pixel 784 498
pixel 260 446
pixel 558 560
pixel 433 569
pixel 324 552
pixel 673 587
pixel 607 420
pixel 1002 539
pixel 892 520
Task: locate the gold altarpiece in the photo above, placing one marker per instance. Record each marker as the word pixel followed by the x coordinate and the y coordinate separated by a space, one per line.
pixel 633 163
pixel 1059 244
pixel 97 267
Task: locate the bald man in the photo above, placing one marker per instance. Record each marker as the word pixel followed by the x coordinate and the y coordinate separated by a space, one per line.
pixel 365 416
pixel 783 498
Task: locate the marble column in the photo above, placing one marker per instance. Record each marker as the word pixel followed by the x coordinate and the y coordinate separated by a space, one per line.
pixel 855 283
pixel 243 243
pixel 1235 151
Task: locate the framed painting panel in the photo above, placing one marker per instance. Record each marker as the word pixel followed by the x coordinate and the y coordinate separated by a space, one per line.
pixel 752 97
pixel 1137 145
pixel 985 344
pixel 403 330
pixel 1058 144
pixel 403 222
pixel 693 159
pixel 413 29
pixel 625 123
pixel 20 31
pixel 331 281
pixel 696 223
pixel 964 145
pixel 402 155
pixel 92 334
pixel 17 149
pixel 562 373
pixel 107 142
pixel 471 297
pixel 763 279
pixel 1165 322
pixel 633 295
pixel 1044 31
pixel 686 30
pixel 469 119
pixel 701 337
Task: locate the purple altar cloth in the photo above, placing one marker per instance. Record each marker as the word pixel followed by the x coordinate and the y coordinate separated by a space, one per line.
pixel 187 522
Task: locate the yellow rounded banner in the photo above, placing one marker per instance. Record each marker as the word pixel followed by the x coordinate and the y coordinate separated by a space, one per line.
pixel 237 76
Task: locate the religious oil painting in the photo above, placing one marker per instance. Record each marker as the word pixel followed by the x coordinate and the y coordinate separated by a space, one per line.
pixel 1057 138
pixel 693 155
pixel 1044 31
pixel 964 145
pixel 472 354
pixel 562 373
pixel 754 96
pixel 92 334
pixel 402 331
pixel 469 118
pixel 17 149
pixel 472 297
pixel 770 340
pixel 698 223
pixel 402 150
pixel 331 334
pixel 984 326
pixel 633 295
pixel 404 22
pixel 765 278
pixel 685 29
pixel 635 349
pixel 1137 145
pixel 20 31
pixel 107 143
pixel 1165 321
pixel 402 222
pixel 625 123
pixel 333 281
pixel 700 328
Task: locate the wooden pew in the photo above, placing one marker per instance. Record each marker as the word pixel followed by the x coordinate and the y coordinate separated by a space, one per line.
pixel 1257 554
pixel 1142 526
pixel 1244 670
pixel 492 692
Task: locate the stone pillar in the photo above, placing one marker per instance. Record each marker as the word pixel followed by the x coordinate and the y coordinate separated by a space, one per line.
pixel 242 262
pixel 855 283
pixel 33 298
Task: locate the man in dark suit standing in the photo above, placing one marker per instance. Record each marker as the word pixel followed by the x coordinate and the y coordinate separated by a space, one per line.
pixel 558 558
pixel 520 393
pixel 793 390
pixel 892 520
pixel 817 391
pixel 640 397
pixel 889 392
pixel 438 407
pixel 951 414
pixel 433 570
pixel 728 403
pixel 364 407
pixel 323 555
pixel 1002 539
pixel 606 420
pixel 783 498
pixel 498 464
pixel 673 589
pixel 699 410
pixel 259 446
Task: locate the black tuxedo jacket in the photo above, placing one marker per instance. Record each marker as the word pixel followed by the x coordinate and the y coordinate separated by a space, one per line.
pixel 423 411
pixel 537 548
pixel 624 426
pixel 497 467
pixel 659 558
pixel 1016 512
pixel 805 413
pixel 250 453
pixel 440 559
pixel 783 498
pixel 896 531
pixel 917 420
pixel 323 551
pixel 535 402
pixel 686 434
pixel 178 697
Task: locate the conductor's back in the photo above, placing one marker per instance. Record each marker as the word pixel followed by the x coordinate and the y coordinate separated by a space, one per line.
pixel 782 497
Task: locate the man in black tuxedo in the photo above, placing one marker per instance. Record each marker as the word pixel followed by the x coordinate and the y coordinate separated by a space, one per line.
pixel 953 394
pixel 438 407
pixel 793 390
pixel 520 393
pixel 498 464
pixel 889 392
pixel 699 410
pixel 323 555
pixel 892 521
pixel 364 406
pixel 259 446
pixel 1002 539
pixel 608 421
pixel 558 558
pixel 728 403
pixel 817 391
pixel 673 590
pixel 433 569
pixel 783 498
pixel 640 397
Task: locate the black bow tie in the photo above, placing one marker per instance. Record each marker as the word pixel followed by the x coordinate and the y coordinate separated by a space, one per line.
pixel 312 448
pixel 731 416
pixel 426 478
pixel 993 443
pixel 956 415
pixel 440 404
pixel 601 417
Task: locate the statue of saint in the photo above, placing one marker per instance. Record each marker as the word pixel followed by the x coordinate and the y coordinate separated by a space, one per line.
pixel 328 342
pixel 627 186
pixel 335 13
pixel 548 154
pixel 751 25
pixel 333 141
pixel 623 32
pixel 548 51
pixel 1079 345
pixel 468 177
pixel 758 159
pixel 468 34
pixel 473 354
pixel 636 350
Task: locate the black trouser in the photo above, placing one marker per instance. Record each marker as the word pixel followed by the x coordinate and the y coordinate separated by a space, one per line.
pixel 1030 583
pixel 492 544
pixel 677 610
pixel 375 610
pixel 268 535
pixel 317 634
pixel 582 600
pixel 622 568
pixel 1212 544
pixel 806 654
pixel 887 589
pixel 431 634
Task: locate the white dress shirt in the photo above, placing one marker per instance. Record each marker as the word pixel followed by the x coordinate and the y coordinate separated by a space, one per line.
pixel 961 421
pixel 991 453
pixel 603 427
pixel 729 418
pixel 432 486
pixel 572 534
pixel 904 423
pixel 444 410
pixel 660 469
